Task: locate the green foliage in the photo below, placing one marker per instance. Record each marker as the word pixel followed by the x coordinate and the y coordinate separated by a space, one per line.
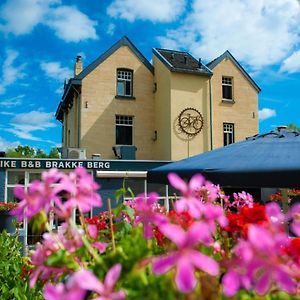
pixel 124 192
pixel 30 152
pixel 12 285
pixel 275 295
pixel 293 127
pixel 53 153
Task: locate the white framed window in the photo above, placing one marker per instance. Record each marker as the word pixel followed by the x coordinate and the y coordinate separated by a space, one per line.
pixel 124 82
pixel 228 133
pixel 124 130
pixel 227 88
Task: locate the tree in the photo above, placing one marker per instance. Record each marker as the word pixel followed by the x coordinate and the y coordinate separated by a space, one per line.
pixel 21 151
pixel 293 127
pixel 30 152
pixel 53 153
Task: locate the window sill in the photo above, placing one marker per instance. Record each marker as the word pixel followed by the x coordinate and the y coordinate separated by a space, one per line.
pixel 230 101
pixel 125 97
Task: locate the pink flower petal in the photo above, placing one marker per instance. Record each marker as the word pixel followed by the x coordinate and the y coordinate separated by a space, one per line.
pixel 295 226
pixel 256 231
pixel 100 246
pixel 204 262
pixel 185 278
pixel 52 292
pixel 175 233
pixel 286 282
pixel 177 182
pixel 231 283
pixel 92 230
pixel 86 280
pixel 120 295
pixel 263 283
pixel 196 182
pixel 163 264
pixel 112 276
pixel 198 232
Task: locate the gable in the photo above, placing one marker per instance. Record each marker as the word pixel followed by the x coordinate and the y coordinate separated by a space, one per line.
pixel 228 55
pixel 124 41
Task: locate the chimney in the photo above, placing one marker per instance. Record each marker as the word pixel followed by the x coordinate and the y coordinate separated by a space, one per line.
pixel 199 63
pixel 78 65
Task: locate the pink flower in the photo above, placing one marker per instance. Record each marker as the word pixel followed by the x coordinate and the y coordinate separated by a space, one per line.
pixel 294 215
pixel 242 199
pixel 39 258
pixel 260 262
pixel 190 200
pixel 100 246
pixel 83 281
pixel 82 190
pixel 38 196
pixel 146 214
pixel 186 259
pixel 198 196
pixel 78 187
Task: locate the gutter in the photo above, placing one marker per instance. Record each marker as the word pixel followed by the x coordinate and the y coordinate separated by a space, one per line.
pixel 211 116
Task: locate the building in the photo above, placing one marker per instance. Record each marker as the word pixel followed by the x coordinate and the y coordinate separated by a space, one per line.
pixel 123 106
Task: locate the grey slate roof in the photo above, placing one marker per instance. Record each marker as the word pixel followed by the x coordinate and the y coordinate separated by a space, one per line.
pixel 180 61
pixel 228 55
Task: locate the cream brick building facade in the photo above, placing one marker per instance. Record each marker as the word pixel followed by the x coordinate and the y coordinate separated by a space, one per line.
pixel 171 109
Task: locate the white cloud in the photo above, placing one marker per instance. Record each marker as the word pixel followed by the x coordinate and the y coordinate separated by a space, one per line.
pixel 71 25
pixel 22 16
pixel 258 33
pixel 12 102
pixel 55 71
pixel 23 124
pixel 266 113
pixel 4 144
pixel 155 10
pixel 111 29
pixel 10 72
pixel 292 63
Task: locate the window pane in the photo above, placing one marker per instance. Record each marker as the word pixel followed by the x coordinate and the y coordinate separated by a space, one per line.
pixel 123 135
pixel 34 176
pixel 120 88
pixel 227 91
pixel 10 195
pixel 124 83
pixel 128 88
pixel 15 177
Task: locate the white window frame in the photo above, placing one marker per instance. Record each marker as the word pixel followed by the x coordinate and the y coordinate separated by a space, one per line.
pixel 125 120
pixel 228 129
pixel 227 81
pixel 124 76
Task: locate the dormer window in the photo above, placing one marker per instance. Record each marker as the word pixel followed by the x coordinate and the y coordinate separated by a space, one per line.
pixel 227 88
pixel 124 82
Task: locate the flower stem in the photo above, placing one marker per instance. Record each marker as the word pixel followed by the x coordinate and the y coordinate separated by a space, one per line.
pixel 111 225
pixel 91 250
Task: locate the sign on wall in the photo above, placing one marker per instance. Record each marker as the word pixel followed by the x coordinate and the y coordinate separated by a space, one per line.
pixel 49 164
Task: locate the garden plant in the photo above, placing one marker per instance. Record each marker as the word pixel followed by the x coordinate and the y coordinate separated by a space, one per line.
pixel 207 247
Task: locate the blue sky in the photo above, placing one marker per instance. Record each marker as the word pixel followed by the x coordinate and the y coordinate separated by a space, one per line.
pixel 39 40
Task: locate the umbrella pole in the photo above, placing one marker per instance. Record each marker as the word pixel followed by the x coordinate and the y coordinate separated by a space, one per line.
pixel 285 204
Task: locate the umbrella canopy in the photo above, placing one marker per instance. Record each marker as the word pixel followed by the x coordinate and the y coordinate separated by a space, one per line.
pixel 264 160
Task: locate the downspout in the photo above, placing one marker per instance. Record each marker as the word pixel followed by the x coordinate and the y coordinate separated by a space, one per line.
pixel 78 116
pixel 211 115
